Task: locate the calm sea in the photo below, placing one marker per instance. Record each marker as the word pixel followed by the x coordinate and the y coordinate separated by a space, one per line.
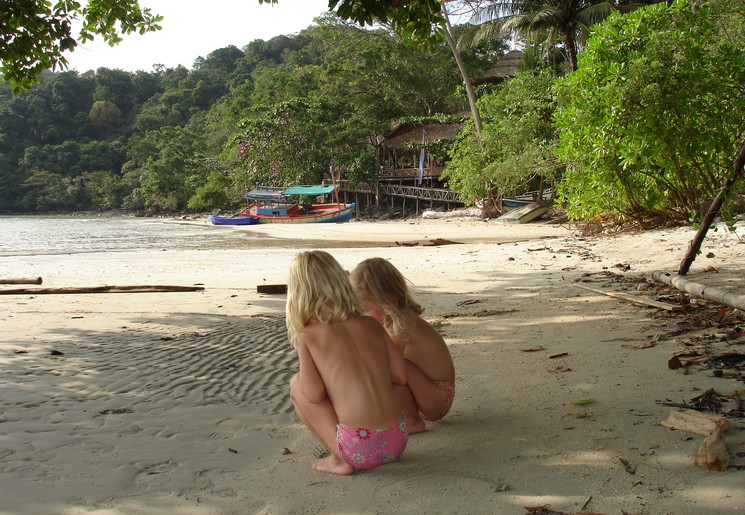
pixel 23 235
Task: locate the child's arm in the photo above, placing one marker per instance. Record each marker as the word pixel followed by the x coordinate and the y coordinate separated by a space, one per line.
pixel 399 372
pixel 311 383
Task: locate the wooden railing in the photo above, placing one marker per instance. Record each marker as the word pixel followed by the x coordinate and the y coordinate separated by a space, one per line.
pixel 419 193
pixel 409 173
pixel 401 190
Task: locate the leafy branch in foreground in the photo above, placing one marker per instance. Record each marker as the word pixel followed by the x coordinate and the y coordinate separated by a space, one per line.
pixel 34 34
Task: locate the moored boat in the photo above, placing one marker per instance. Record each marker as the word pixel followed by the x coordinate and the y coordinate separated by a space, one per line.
pixel 281 206
pixel 524 214
pixel 528 198
pixel 233 220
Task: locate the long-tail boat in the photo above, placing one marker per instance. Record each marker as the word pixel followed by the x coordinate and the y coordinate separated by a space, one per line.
pixel 276 205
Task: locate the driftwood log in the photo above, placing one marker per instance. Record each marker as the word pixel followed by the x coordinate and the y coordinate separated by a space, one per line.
pixel 713 453
pixel 101 289
pixel 692 421
pixel 22 280
pixel 701 290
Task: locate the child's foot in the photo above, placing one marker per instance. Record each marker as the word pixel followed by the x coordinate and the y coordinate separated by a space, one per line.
pixel 415 425
pixel 333 465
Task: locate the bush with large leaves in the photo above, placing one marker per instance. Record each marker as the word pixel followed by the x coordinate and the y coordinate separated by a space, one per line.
pixel 650 121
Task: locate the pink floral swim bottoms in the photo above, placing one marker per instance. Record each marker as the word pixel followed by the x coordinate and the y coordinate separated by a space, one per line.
pixel 370 448
pixel 448 389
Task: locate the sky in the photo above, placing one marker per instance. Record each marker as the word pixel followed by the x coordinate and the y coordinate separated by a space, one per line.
pixel 194 28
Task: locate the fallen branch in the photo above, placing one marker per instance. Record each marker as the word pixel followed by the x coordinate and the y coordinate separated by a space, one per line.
pixel 716 205
pixel 701 290
pixel 22 280
pixel 632 298
pixel 101 289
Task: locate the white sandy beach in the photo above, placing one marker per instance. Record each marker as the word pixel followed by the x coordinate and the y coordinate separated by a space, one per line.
pixel 177 402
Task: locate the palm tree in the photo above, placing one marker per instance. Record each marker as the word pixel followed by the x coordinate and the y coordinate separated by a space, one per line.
pixel 568 21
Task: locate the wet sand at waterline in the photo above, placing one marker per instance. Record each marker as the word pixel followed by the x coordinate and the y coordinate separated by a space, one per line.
pixel 177 402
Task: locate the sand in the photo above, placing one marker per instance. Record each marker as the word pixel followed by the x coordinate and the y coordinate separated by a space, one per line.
pixel 149 403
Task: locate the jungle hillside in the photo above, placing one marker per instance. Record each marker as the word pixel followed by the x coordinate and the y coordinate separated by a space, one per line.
pixel 637 111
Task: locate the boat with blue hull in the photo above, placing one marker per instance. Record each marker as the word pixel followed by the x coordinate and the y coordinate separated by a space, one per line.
pixel 233 220
pixel 545 196
pixel 277 205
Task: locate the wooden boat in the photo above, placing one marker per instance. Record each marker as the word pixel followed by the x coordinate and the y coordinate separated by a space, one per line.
pixel 275 205
pixel 524 214
pixel 527 198
pixel 237 220
pixel 513 202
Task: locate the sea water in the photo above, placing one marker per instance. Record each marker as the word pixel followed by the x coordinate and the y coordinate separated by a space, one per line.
pixel 37 234
pixel 25 235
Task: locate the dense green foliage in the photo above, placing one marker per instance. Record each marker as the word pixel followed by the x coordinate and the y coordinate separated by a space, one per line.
pixel 278 111
pixel 651 121
pixel 515 151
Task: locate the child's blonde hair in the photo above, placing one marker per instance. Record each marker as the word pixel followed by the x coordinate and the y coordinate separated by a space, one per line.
pixel 318 291
pixel 377 281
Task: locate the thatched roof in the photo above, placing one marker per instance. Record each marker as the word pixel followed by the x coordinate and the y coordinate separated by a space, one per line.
pixel 504 69
pixel 407 132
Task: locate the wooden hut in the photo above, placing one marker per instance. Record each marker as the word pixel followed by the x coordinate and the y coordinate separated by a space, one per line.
pixel 400 155
pixel 401 162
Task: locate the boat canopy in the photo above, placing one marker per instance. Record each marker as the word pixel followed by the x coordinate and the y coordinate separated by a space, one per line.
pixel 277 193
pixel 315 190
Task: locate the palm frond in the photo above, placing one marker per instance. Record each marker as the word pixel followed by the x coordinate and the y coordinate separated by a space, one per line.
pixel 492 30
pixel 595 13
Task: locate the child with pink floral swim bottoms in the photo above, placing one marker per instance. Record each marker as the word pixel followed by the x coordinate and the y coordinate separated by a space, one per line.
pixel 385 296
pixel 344 391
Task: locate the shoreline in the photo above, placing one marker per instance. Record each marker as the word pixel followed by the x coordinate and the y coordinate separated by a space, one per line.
pixel 177 402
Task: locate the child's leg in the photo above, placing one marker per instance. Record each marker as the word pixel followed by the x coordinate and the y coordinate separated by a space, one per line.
pixel 321 419
pixel 429 398
pixel 411 412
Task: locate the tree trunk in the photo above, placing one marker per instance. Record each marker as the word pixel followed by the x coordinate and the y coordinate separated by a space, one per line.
pixel 462 67
pixel 571 47
pixel 716 205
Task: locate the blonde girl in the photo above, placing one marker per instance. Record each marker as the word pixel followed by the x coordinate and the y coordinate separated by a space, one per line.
pixel 344 392
pixel 385 296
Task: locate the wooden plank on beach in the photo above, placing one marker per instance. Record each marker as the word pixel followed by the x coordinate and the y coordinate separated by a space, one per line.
pixel 22 280
pixel 272 289
pixel 632 298
pixel 148 288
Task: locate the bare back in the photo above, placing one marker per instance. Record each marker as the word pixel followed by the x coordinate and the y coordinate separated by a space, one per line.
pixel 354 364
pixel 425 348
